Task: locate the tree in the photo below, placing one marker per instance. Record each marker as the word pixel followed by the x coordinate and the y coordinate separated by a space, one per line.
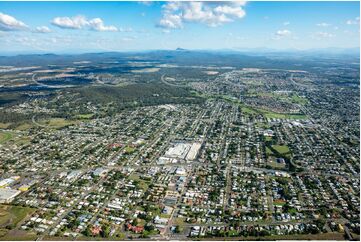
pixel 87 232
pixel 135 222
pixel 178 229
pixel 105 231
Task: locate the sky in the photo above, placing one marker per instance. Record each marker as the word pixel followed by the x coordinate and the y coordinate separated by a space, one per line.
pixel 75 27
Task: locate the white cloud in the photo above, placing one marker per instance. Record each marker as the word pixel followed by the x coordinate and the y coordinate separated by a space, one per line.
pixel 236 12
pixel 97 24
pixel 42 29
pixel 81 22
pixel 286 23
pixel 76 22
pixel 280 34
pixel 9 23
pixel 210 13
pixel 171 21
pixel 353 21
pixel 283 33
pixel 323 25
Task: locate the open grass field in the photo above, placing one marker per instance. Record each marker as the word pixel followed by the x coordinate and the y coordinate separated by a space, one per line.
pixel 141 183
pixel 5 136
pixel 276 165
pixel 9 136
pixel 278 151
pixel 298 100
pixel 282 149
pixel 12 215
pixel 57 123
pixel 24 126
pixel 18 235
pixel 129 150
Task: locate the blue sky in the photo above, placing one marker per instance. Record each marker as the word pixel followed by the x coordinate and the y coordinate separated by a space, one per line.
pixel 124 26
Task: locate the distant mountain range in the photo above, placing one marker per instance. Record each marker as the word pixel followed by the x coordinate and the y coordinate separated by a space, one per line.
pixel 262 58
pixel 262 50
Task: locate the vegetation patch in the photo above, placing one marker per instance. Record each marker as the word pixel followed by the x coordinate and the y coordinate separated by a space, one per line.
pixel 268 138
pixel 85 116
pixel 144 94
pixel 12 215
pixel 24 126
pixel 18 235
pixel 282 149
pixel 57 123
pixel 129 150
pixel 254 111
pixel 5 136
pixel 299 100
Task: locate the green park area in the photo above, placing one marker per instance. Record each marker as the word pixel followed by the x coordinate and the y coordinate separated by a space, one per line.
pixel 282 149
pixel 298 99
pixel 139 182
pixel 277 151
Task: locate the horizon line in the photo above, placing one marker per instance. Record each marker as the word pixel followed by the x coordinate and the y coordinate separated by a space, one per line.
pixel 356 50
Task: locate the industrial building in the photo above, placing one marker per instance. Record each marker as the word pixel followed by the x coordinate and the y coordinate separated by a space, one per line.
pixel 193 152
pixel 184 151
pixel 7 195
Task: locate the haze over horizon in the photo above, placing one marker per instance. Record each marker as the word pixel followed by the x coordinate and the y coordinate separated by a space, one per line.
pixel 80 27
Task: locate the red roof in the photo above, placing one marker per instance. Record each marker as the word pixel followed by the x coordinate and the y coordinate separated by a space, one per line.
pixel 135 229
pixel 96 230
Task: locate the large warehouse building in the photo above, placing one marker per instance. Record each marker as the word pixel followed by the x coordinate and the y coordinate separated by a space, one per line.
pixel 7 195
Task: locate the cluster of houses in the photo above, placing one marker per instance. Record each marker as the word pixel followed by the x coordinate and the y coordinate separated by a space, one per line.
pixel 206 170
